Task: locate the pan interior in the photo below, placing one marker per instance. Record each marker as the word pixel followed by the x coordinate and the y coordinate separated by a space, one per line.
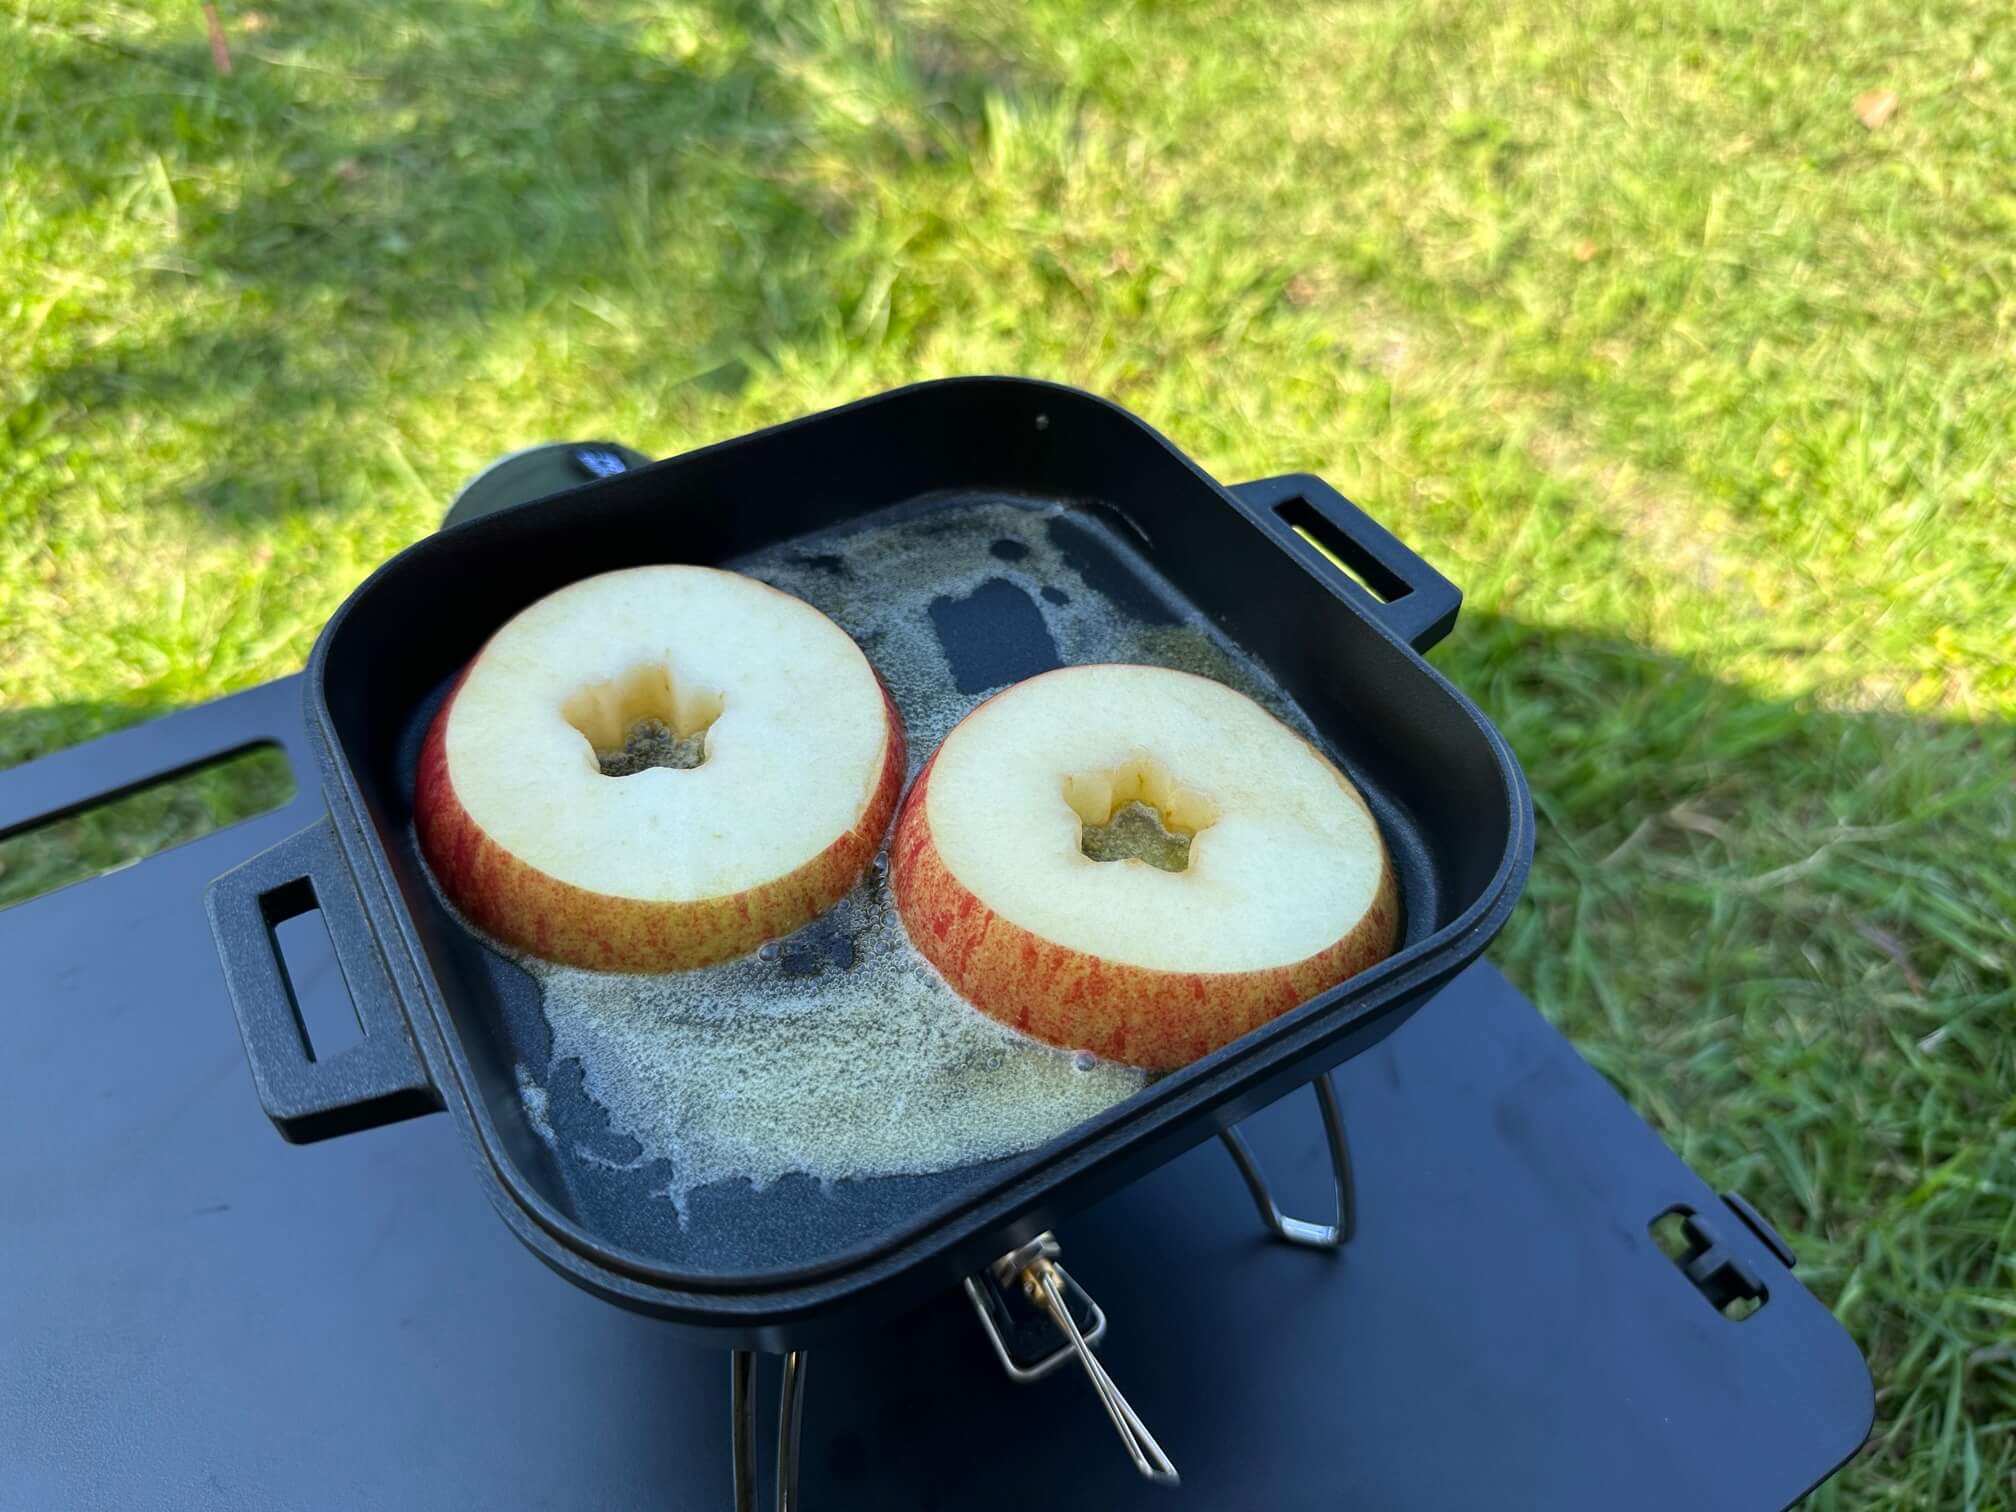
pixel 952 597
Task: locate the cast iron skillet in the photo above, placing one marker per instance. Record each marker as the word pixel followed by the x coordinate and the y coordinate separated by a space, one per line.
pixel 446 1020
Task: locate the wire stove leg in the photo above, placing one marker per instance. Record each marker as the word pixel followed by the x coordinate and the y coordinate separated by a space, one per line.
pixel 742 1428
pixel 1300 1231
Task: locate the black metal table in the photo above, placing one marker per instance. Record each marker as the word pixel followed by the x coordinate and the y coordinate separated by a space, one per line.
pixel 193 1314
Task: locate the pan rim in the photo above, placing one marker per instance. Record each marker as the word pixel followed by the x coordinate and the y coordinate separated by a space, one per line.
pixel 637 1279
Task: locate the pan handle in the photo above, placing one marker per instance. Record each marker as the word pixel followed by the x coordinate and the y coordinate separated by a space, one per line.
pixel 381 1079
pixel 1323 527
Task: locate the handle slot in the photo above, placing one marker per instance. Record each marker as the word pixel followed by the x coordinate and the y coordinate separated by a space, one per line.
pixel 324 1012
pixel 1345 554
pixel 87 836
pixel 1362 558
pixel 1692 1243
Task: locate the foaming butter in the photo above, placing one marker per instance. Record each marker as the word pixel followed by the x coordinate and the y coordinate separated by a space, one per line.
pixel 745 1071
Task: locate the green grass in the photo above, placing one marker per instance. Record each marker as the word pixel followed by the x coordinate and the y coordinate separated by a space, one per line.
pixel 1701 388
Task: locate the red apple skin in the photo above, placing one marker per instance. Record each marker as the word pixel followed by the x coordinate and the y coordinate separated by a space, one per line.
pixel 516 903
pixel 1139 1015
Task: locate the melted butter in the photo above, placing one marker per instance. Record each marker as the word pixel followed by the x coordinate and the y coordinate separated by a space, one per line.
pixel 651 743
pixel 1136 833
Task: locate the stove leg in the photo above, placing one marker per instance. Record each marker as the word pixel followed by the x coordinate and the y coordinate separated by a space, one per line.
pixel 790 1417
pixel 1296 1230
pixel 742 1428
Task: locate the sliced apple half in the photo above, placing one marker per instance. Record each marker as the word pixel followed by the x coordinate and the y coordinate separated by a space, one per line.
pixel 1138 862
pixel 657 769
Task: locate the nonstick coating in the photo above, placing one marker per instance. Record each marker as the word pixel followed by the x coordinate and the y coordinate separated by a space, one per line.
pixel 1134 525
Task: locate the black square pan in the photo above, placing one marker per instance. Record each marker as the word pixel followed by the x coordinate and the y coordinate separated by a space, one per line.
pixel 1134 521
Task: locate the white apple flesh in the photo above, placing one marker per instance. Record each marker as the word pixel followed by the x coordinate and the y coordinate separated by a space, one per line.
pixel 801 760
pixel 1287 888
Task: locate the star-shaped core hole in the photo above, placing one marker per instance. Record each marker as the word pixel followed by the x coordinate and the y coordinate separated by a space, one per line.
pixel 644 719
pixel 1136 811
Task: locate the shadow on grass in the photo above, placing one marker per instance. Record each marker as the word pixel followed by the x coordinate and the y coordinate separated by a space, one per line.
pixel 1785 933
pixel 373 198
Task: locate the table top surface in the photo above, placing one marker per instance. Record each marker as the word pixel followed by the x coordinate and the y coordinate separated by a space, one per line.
pixel 199 1315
